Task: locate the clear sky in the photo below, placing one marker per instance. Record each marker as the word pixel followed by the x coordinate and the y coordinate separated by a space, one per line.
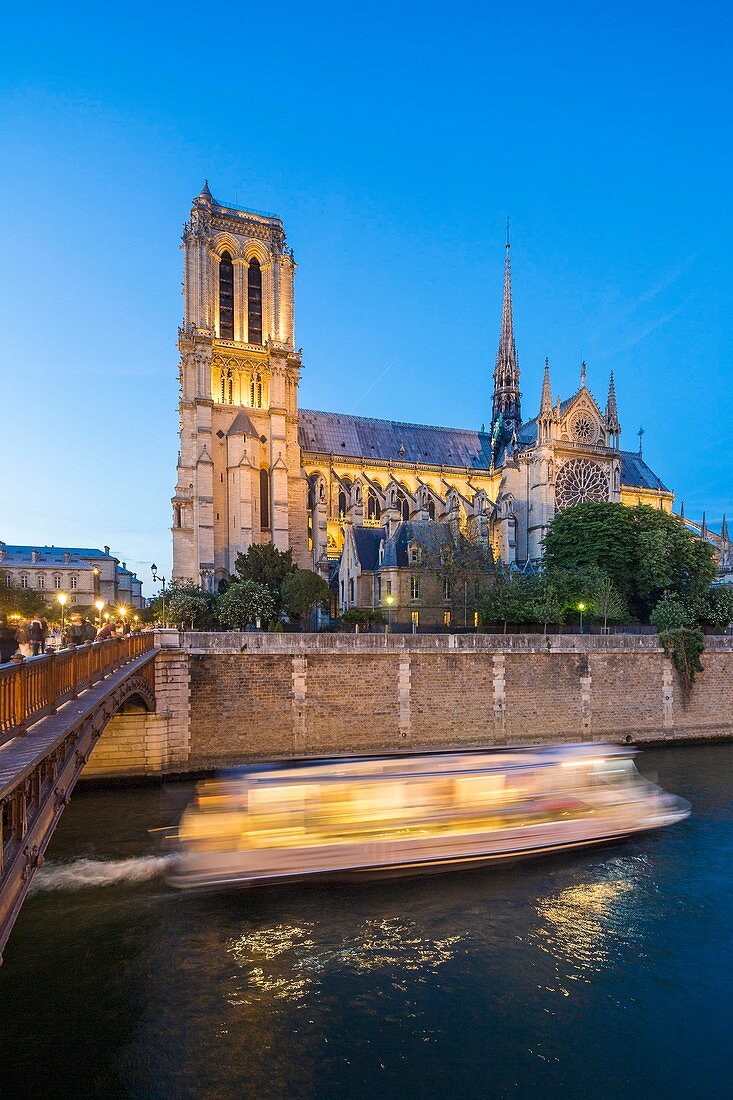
pixel 393 140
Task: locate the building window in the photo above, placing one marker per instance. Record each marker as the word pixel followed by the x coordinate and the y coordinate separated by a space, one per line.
pixel 377 590
pixel 415 618
pixel 475 620
pixel 446 618
pixel 414 555
pixel 373 509
pixel 446 588
pixel 431 509
pixel 8 580
pixel 310 532
pixel 264 500
pixel 41 580
pixel 74 583
pixel 342 504
pixel 351 589
pixel 56 581
pixel 389 588
pixel 254 302
pixel 226 297
pixel 255 391
pixel 23 580
pixel 414 588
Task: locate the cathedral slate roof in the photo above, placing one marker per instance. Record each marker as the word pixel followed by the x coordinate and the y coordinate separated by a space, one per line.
pixel 636 473
pixel 367 541
pixel 392 440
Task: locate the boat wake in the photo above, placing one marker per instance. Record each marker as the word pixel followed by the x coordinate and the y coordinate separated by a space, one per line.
pixel 84 873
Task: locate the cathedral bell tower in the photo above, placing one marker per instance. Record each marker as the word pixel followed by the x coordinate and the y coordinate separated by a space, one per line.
pixel 239 460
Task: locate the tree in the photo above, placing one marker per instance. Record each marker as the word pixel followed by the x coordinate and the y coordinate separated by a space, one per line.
pixel 186 604
pixel 713 609
pixel 608 603
pixel 26 602
pixel 670 613
pixel 510 600
pixel 548 605
pixel 362 616
pixel 268 566
pixel 301 592
pixel 244 602
pixel 644 551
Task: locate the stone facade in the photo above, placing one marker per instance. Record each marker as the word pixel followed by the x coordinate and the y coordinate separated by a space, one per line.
pixel 254 467
pixel 311 695
pixel 83 573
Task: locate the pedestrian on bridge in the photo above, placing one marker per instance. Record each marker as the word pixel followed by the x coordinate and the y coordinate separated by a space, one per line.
pixel 8 639
pixel 36 636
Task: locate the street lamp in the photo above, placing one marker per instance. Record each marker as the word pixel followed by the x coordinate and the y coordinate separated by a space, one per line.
pixel 389 600
pixel 99 604
pixel 581 609
pixel 122 611
pixel 62 598
pixel 157 577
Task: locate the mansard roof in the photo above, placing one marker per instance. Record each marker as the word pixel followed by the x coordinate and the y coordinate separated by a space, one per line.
pixel 392 440
pixel 430 535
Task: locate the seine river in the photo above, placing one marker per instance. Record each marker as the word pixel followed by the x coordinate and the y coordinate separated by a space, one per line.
pixel 605 973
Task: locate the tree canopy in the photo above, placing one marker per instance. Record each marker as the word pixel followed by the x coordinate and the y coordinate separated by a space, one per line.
pixel 301 592
pixel 268 566
pixel 644 551
pixel 245 602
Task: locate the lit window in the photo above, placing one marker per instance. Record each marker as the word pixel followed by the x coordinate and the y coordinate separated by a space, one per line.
pixel 475 620
pixel 226 297
pixel 414 588
pixel 415 617
pixel 41 580
pixel 23 580
pixel 446 618
pixel 74 583
pixel 56 581
pixel 254 302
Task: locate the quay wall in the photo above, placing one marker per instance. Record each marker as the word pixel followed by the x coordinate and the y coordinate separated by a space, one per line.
pixel 232 698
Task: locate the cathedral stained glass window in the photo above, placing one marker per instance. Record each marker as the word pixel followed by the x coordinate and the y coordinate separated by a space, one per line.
pixel 580 481
pixel 226 297
pixel 584 428
pixel 264 500
pixel 254 301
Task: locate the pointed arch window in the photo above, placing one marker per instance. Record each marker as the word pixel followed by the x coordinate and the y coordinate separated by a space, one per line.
pixel 255 390
pixel 342 504
pixel 264 500
pixel 254 301
pixel 431 509
pixel 405 509
pixel 373 509
pixel 226 297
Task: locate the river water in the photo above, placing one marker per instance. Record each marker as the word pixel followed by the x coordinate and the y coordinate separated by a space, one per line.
pixel 603 973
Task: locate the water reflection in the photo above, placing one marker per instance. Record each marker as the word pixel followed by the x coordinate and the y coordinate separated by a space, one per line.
pixel 393 946
pixel 587 924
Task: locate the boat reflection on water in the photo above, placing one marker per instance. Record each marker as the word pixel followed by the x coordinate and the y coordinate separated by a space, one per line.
pixel 409 814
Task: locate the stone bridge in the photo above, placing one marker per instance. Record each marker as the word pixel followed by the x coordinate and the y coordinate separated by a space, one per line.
pixel 53 709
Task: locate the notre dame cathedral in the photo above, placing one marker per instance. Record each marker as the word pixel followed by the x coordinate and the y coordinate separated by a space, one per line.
pixel 254 467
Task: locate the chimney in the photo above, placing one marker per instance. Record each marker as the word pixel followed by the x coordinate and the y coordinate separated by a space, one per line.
pixel 67 555
pixel 34 555
pixel 106 550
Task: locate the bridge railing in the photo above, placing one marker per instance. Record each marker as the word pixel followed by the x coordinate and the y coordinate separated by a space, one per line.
pixel 32 687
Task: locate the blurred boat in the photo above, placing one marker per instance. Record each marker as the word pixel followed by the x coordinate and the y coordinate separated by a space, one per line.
pixel 411 813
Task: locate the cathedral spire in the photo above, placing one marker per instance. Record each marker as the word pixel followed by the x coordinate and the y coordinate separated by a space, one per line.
pixel 724 530
pixel 704 528
pixel 546 403
pixel 682 511
pixel 506 415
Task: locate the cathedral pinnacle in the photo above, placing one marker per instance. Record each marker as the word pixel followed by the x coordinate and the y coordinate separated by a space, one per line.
pixel 704 528
pixel 506 416
pixel 612 422
pixel 724 530
pixel 546 403
pixel 583 369
pixel 205 194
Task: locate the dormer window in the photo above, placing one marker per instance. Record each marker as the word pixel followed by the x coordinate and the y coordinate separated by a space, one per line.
pixel 414 555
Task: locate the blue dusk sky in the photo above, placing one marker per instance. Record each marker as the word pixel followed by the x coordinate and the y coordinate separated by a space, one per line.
pixel 393 140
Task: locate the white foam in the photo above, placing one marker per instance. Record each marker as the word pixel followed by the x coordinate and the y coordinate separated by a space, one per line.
pixel 83 873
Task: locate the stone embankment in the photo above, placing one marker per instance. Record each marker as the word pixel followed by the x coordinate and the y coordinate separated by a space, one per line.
pixel 232 698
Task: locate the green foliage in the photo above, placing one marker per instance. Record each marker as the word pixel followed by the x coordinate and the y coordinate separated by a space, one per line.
pixel 608 603
pixel 266 565
pixel 243 603
pixel 187 605
pixel 714 608
pixel 27 602
pixel 510 600
pixel 684 647
pixel 670 614
pixel 301 592
pixel 362 616
pixel 644 551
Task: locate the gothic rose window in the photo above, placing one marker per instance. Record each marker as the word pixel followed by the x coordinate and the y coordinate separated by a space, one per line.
pixel 584 428
pixel 580 481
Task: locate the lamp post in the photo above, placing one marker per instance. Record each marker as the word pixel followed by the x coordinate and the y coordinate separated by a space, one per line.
pixel 99 604
pixel 122 610
pixel 157 577
pixel 581 609
pixel 389 600
pixel 62 598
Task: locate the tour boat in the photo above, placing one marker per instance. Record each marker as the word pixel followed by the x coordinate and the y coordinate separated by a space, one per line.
pixel 408 814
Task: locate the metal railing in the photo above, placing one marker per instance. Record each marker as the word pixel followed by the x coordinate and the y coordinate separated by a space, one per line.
pixel 33 687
